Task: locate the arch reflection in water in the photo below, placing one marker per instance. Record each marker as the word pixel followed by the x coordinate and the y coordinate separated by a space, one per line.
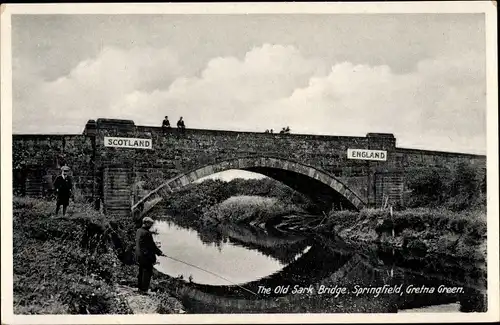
pixel 318 266
pixel 289 261
pixel 229 259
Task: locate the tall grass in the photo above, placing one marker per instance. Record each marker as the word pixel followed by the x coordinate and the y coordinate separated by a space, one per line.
pixel 246 208
pixel 418 218
pixel 63 264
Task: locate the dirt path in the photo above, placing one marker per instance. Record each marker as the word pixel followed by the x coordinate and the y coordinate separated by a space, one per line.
pixel 149 304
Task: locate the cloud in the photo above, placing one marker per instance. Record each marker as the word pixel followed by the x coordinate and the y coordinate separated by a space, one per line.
pixel 443 101
pixel 226 92
pixel 438 105
pixel 90 89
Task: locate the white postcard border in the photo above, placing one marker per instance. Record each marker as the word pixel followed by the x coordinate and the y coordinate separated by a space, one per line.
pixel 487 7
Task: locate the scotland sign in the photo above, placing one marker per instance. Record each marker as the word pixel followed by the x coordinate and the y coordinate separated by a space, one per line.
pixel 128 143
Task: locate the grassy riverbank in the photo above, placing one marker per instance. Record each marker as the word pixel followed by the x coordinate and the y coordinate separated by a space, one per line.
pixel 437 242
pixel 447 241
pixel 459 234
pixel 72 264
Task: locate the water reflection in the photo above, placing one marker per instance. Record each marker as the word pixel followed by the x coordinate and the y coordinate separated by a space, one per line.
pixel 257 258
pixel 227 258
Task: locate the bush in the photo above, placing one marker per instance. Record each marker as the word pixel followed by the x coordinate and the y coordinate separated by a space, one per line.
pixel 152 180
pixel 465 187
pixel 459 188
pixel 427 186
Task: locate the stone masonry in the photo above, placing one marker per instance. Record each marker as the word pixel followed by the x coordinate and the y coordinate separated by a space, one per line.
pixel 109 174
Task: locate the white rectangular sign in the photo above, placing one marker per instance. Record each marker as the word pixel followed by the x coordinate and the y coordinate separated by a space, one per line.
pixel 128 143
pixel 365 154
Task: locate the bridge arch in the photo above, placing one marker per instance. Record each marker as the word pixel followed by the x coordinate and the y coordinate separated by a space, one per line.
pixel 321 187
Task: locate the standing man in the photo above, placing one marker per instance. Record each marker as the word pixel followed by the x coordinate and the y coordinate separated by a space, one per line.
pixel 64 188
pixel 145 251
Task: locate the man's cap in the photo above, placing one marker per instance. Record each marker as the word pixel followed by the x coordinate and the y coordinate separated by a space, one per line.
pixel 147 219
pixel 65 168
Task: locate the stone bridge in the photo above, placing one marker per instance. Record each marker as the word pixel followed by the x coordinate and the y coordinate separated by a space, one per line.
pixel 315 165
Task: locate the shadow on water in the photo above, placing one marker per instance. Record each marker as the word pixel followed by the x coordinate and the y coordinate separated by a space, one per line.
pixel 315 273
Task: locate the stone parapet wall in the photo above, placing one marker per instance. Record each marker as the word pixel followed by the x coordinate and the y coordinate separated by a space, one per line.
pixel 37 158
pixel 177 153
pixel 427 158
pixel 36 161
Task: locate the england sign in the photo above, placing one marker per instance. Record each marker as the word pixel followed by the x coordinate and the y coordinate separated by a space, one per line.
pixel 128 143
pixel 365 154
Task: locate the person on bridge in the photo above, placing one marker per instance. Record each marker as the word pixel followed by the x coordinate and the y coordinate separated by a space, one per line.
pixel 180 125
pixel 64 187
pixel 145 251
pixel 165 125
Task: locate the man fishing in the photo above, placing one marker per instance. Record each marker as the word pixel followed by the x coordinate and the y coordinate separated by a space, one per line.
pixel 146 251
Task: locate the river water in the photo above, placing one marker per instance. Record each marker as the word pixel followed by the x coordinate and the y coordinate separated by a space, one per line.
pixel 224 263
pixel 234 268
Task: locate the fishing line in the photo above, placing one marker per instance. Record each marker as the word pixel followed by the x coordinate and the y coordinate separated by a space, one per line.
pixel 221 277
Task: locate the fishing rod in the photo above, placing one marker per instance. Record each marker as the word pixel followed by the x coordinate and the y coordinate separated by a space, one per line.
pixel 221 277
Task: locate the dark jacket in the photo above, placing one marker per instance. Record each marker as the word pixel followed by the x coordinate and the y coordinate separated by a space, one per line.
pixel 166 123
pixel 63 186
pixel 145 247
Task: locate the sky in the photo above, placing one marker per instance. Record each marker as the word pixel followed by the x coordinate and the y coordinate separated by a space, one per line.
pixel 421 77
pixel 229 175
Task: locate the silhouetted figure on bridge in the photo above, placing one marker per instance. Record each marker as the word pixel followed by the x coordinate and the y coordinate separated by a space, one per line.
pixel 145 252
pixel 180 125
pixel 285 130
pixel 165 125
